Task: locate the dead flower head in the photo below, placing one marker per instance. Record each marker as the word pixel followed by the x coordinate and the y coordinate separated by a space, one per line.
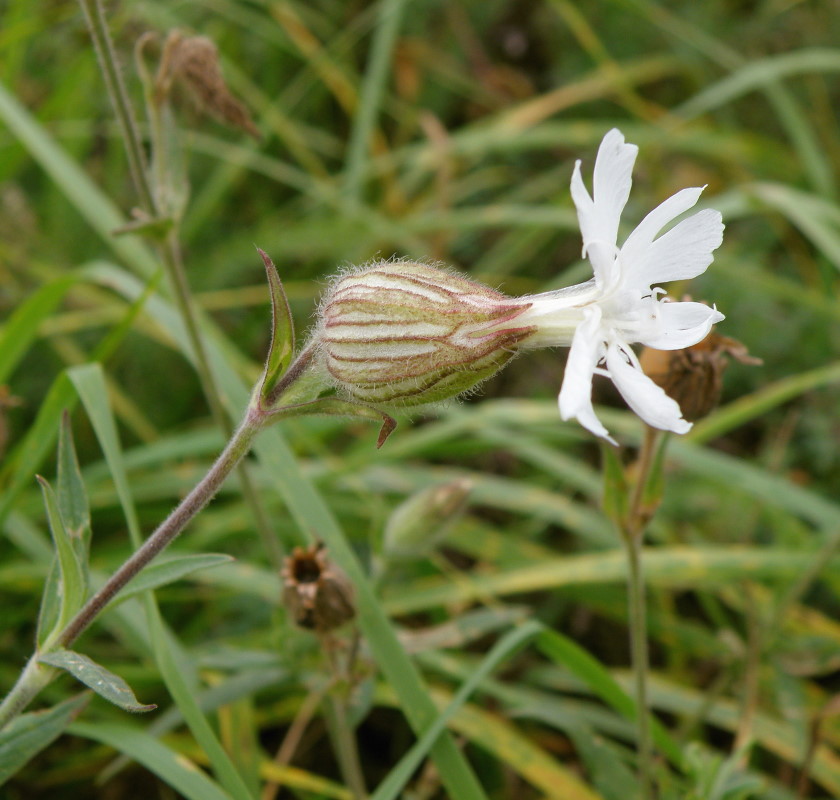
pixel 193 61
pixel 316 592
pixel 693 376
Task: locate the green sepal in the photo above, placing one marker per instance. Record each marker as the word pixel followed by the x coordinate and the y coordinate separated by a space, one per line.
pixel 71 570
pixel 104 682
pixel 616 490
pixel 654 488
pixel 334 407
pixel 282 330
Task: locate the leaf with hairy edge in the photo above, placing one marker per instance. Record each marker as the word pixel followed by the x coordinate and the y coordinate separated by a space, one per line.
pixel 282 330
pixel 333 407
pixel 30 733
pixel 72 574
pixel 106 684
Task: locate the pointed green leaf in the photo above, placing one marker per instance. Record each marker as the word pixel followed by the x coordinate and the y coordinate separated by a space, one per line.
pixel 282 330
pixel 654 488
pixel 89 382
pixel 50 609
pixel 30 733
pixel 112 687
pixel 171 570
pixel 334 407
pixel 72 576
pixel 72 495
pixel 615 485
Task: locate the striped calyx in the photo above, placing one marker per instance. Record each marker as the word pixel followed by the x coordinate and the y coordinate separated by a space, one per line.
pixel 406 334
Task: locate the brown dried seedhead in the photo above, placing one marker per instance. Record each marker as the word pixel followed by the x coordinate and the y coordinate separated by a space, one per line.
pixel 193 61
pixel 316 592
pixel 694 376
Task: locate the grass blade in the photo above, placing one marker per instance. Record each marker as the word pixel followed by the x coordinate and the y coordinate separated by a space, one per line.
pixel 172 767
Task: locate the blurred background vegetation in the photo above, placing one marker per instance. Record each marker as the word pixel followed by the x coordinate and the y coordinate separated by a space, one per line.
pixel 440 131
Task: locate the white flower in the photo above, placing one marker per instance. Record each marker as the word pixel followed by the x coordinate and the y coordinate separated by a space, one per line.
pixel 620 305
pixel 407 334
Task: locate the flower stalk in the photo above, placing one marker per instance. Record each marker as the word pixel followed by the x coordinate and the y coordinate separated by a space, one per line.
pixel 636 508
pixel 36 676
pixel 151 191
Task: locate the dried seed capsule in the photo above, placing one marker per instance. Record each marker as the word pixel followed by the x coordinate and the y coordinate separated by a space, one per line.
pixel 693 376
pixel 316 592
pixel 424 519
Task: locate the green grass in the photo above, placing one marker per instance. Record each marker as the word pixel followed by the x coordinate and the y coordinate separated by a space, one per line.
pixel 432 131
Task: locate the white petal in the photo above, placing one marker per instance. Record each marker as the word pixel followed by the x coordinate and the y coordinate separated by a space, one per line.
pixel 605 267
pixel 585 208
pixel 683 252
pixel 682 325
pixel 643 395
pixel 641 238
pixel 599 215
pixel 612 181
pixel 575 398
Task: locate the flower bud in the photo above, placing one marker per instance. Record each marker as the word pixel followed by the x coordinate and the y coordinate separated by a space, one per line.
pixel 318 594
pixel 407 334
pixel 420 522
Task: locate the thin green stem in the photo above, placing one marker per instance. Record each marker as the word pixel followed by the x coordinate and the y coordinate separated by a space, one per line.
pixel 347 751
pixel 171 251
pixel 639 655
pixel 373 87
pixel 166 532
pixel 184 300
pixel 98 27
pixel 34 677
pixel 633 534
pixel 31 680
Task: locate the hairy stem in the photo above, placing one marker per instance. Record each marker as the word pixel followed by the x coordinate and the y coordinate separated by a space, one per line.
pixel 199 497
pixel 34 677
pixel 171 251
pixel 98 27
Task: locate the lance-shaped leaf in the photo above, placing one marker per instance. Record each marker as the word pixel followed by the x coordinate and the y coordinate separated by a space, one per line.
pixel 105 683
pixel 48 614
pixel 615 486
pixel 31 733
pixel 282 330
pixel 73 508
pixel 334 407
pixel 72 495
pixel 71 585
pixel 170 570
